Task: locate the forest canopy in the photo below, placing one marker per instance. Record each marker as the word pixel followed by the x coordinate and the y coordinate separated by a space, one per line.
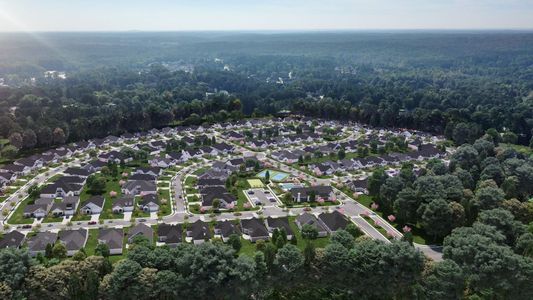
pixel 455 83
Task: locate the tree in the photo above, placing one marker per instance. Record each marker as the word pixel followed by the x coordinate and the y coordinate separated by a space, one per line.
pixel 102 250
pixel 14 265
pixel 489 197
pixel 44 136
pixel 494 135
pixel 267 176
pixel 353 230
pixel 309 254
pixel 437 218
pixel 341 154
pixel 375 181
pixel 343 238
pixel 59 251
pixel 290 259
pixel 79 256
pixel 270 255
pixel 15 139
pixel 96 184
pixel 235 242
pixel 444 280
pixel 503 221
pixel 309 232
pixel 9 151
pixel 406 205
pixel 388 193
pixel 509 137
pixel 465 158
pixel 165 284
pixel 58 136
pixel 29 139
pixel 123 282
pixel 216 204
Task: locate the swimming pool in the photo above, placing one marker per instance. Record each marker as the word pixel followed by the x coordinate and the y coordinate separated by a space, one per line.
pixel 274 175
pixel 288 186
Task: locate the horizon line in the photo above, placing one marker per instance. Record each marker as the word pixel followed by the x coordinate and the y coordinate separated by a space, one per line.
pixel 275 30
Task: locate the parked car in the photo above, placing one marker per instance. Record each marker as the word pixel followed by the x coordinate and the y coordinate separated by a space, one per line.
pixel 26 226
pixel 92 222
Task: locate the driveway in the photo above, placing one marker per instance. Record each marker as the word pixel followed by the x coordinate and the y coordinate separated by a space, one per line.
pixel 127 216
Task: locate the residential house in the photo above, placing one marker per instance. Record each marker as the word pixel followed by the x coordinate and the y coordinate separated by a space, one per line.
pixel 67 207
pixel 74 240
pixel 144 177
pixel 139 187
pixel 12 239
pixel 149 203
pixel 254 229
pixel 140 229
pixel 170 234
pixel 280 224
pixel 223 148
pixel 198 232
pixel 313 193
pixel 63 187
pixel 226 200
pixel 359 186
pixel 113 238
pixel 7 178
pixel 38 243
pixel 123 204
pixel 33 164
pixel 162 162
pixel 205 182
pixel 84 173
pixel 39 209
pixel 95 166
pixel 154 171
pixel 333 221
pixel 18 170
pixel 309 219
pixel 93 205
pixel 224 229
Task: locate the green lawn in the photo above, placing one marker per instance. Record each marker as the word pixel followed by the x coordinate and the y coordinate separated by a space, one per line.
pixel 54 178
pixel 51 219
pixel 111 185
pixel 18 215
pixel 92 242
pixel 300 242
pixel 164 207
pixel 191 190
pixel 200 171
pixel 191 181
pixel 248 248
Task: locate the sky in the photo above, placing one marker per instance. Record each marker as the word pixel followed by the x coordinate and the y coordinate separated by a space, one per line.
pixel 198 15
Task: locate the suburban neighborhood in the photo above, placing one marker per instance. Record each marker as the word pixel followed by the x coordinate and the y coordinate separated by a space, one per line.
pixel 249 178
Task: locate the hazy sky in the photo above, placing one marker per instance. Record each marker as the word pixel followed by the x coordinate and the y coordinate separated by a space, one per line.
pixel 118 15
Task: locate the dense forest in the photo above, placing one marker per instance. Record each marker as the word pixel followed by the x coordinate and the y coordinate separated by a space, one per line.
pixel 455 83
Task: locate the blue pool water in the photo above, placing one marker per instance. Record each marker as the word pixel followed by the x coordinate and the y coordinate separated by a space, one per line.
pixel 288 186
